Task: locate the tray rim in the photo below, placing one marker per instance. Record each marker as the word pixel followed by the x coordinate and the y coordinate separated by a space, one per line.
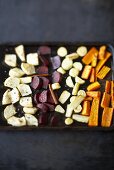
pixel 76 128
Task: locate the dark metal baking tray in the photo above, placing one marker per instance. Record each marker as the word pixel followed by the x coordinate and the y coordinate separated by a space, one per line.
pixel 32 47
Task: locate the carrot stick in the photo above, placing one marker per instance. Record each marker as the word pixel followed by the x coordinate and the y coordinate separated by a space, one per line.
pixel 93 93
pixel 86 72
pixel 107 86
pixel 102 51
pixel 103 72
pixel 92 75
pixel 94 61
pixel 86 108
pixel 107 117
pixel 93 119
pixel 87 59
pixel 94 86
pixel 87 98
pixel 105 102
pixel 112 94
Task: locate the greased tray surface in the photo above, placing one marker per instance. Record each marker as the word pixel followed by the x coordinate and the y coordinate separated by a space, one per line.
pixel 33 47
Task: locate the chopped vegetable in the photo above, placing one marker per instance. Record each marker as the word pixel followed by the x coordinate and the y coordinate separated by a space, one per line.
pixel 112 94
pixel 59 109
pixel 26 101
pixel 72 56
pixel 78 109
pixel 56 77
pixel 94 86
pixel 94 61
pixel 16 121
pixel 67 64
pixel 107 117
pixel 81 93
pixel 102 62
pixel 78 65
pixel 103 72
pixel 102 51
pixel 73 72
pixel 24 89
pixel 69 111
pixel 12 82
pixel 105 102
pixel 20 52
pixel 33 59
pixel 56 86
pixel 75 89
pixel 93 119
pixel 69 82
pixel 86 108
pixel 92 75
pixel 42 70
pixel 62 51
pixel 82 51
pixel 56 62
pixel 79 80
pixel 88 98
pixel 25 80
pixel 28 68
pixel 29 110
pixel 64 96
pixel 93 93
pixel 75 103
pixel 68 121
pixel 61 70
pixel 14 95
pixel 107 86
pixel 31 120
pixel 86 72
pixel 9 111
pixel 80 118
pixel 73 98
pixel 6 97
pixel 87 59
pixel 16 72
pixel 11 60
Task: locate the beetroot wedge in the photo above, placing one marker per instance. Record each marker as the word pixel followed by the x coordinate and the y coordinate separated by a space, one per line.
pixel 56 62
pixel 42 70
pixel 50 106
pixel 36 98
pixel 56 77
pixel 43 119
pixel 45 82
pixel 43 96
pixel 44 60
pixel 54 120
pixel 44 50
pixel 42 107
pixel 36 83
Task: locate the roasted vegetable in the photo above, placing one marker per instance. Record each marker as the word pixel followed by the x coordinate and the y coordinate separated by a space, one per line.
pixel 107 117
pixel 94 86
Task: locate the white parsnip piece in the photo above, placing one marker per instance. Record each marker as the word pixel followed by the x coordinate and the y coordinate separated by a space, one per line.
pixel 81 93
pixel 16 72
pixel 75 103
pixel 62 51
pixel 78 109
pixel 72 56
pixel 16 121
pixel 6 97
pixel 14 94
pixel 80 118
pixel 75 89
pixel 25 80
pixel 64 96
pixel 59 109
pixel 9 111
pixel 12 82
pixel 69 82
pixel 82 51
pixel 79 80
pixel 67 64
pixel 56 86
pixel 31 120
pixel 78 65
pixel 33 59
pixel 73 98
pixel 24 89
pixel 69 111
pixel 11 60
pixel 73 72
pixel 20 52
pixel 26 102
pixel 28 68
pixel 68 121
pixel 29 110
pixel 61 70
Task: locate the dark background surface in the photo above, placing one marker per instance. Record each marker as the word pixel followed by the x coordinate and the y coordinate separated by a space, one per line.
pixel 56 20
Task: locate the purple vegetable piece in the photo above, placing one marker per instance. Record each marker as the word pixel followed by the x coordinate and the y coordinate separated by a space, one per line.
pixel 45 82
pixel 56 62
pixel 44 50
pixel 44 60
pixel 36 83
pixel 54 120
pixel 50 106
pixel 50 99
pixel 42 70
pixel 36 98
pixel 43 96
pixel 56 77
pixel 42 107
pixel 43 119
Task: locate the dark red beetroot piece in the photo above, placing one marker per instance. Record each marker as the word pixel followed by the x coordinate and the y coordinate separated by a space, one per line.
pixel 44 50
pixel 43 108
pixel 54 120
pixel 50 99
pixel 44 60
pixel 50 106
pixel 56 62
pixel 56 77
pixel 43 96
pixel 42 70
pixel 43 119
pixel 36 98
pixel 36 83
pixel 45 82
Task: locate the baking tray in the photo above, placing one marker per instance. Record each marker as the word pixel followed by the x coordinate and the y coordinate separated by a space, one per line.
pixel 33 47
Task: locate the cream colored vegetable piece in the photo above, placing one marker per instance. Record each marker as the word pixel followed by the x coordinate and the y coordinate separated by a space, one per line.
pixel 69 111
pixel 14 94
pixel 82 51
pixel 68 121
pixel 81 93
pixel 78 65
pixel 16 72
pixel 80 118
pixel 12 82
pixel 9 111
pixel 75 89
pixel 75 103
pixel 72 56
pixel 24 89
pixel 69 82
pixel 29 110
pixel 67 64
pixel 20 52
pixel 79 80
pixel 64 96
pixel 6 97
pixel 11 60
pixel 26 102
pixel 31 120
pixel 16 121
pixel 28 68
pixel 26 80
pixel 56 86
pixel 73 72
pixel 33 59
pixel 61 70
pixel 78 109
pixel 62 51
pixel 73 98
pixel 59 109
